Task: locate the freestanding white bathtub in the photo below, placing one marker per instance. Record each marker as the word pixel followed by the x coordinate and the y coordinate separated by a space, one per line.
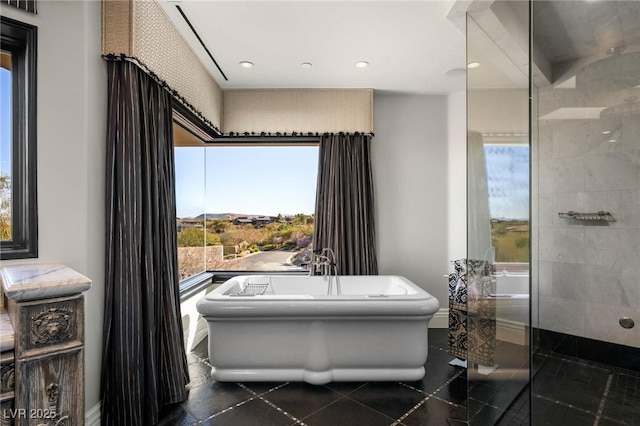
pixel 374 330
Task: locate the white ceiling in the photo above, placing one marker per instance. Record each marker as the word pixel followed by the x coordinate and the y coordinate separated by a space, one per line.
pixel 409 44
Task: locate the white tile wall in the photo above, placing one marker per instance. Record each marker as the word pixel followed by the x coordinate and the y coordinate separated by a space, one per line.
pixel 589 273
pixel 562 315
pixel 601 323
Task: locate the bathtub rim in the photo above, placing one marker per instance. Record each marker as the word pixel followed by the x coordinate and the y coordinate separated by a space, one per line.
pixel 217 305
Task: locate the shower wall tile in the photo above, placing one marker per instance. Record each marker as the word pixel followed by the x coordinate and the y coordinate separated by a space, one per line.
pixel 545 143
pixel 545 281
pixel 598 200
pixel 562 175
pixel 630 133
pixel 616 247
pixel 550 100
pixel 590 271
pixel 630 282
pixel 598 284
pixel 629 216
pixel 562 245
pixel 546 211
pixel 562 315
pixel 612 171
pixel 575 138
pixel 602 324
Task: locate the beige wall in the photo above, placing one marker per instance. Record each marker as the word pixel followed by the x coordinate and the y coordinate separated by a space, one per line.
pixel 298 110
pixel 457 174
pixel 409 160
pixel 72 104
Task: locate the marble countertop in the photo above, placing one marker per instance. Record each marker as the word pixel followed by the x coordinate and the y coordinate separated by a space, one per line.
pixel 41 281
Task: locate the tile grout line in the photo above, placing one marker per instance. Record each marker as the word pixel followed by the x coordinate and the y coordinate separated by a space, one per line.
pixel 239 404
pixel 564 404
pixel 342 396
pixel 411 411
pixel 285 413
pixel 256 394
pixel 271 404
pixel 458 374
pixel 428 395
pixel 603 400
pixel 579 361
pixel 486 404
pixel 226 410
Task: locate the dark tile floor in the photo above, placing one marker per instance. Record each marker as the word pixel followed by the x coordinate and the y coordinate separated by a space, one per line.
pixel 572 391
pixel 566 391
pixel 438 399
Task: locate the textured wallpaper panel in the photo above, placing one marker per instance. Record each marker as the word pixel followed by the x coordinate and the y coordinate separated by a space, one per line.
pixel 116 27
pixel 158 44
pixel 298 110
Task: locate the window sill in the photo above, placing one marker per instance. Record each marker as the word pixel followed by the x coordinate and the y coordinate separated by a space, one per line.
pixel 194 284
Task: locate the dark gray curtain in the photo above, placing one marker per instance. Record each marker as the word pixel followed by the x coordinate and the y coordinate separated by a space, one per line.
pixel 344 219
pixel 144 365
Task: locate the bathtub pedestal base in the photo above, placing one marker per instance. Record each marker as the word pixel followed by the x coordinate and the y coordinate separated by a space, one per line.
pixel 318 377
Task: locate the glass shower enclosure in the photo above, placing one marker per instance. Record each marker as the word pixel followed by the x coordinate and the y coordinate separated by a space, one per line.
pixel 553 112
pixel 586 86
pixel 498 206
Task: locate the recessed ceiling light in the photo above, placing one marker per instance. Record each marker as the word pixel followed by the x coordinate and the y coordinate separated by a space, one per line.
pixel 471 65
pixel 306 65
pixel 612 140
pixel 606 132
pixel 362 64
pixel 246 64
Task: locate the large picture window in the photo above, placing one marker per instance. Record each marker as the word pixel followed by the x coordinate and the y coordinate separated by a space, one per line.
pixel 507 168
pixel 245 207
pixel 18 210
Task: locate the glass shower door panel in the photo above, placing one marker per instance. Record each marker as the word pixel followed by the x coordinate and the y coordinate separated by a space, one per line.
pixel 498 211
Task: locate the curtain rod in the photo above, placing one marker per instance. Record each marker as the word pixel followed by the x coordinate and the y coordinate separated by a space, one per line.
pixel 176 95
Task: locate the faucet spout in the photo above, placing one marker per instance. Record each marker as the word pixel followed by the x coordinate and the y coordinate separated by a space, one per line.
pixel 324 262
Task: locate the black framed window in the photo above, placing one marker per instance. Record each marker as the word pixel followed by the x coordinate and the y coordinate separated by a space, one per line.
pixel 18 201
pixel 28 5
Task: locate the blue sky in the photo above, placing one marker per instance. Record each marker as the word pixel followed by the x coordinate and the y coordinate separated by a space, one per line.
pixel 251 180
pixel 272 180
pixel 508 180
pixel 5 121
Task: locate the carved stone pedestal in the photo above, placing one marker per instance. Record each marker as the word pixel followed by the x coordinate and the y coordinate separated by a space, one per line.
pixel 47 311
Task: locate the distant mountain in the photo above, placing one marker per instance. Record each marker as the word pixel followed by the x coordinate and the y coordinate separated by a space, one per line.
pixel 225 216
pixel 510 219
pixel 216 216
